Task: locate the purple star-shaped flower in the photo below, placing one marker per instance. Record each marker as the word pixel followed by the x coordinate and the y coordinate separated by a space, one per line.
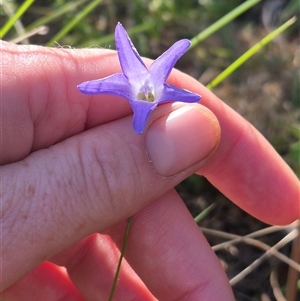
pixel 144 88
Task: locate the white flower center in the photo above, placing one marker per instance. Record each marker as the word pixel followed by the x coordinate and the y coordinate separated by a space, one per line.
pixel 146 92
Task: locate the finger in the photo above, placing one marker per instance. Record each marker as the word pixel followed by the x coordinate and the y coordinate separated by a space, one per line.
pixel 165 248
pixel 92 264
pixel 44 98
pixel 168 251
pixel 46 282
pixel 245 167
pixel 88 182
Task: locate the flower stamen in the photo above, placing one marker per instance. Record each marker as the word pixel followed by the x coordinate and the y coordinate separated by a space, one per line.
pixel 146 97
pixel 146 92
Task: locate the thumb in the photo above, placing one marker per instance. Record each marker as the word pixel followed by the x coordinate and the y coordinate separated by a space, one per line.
pixel 59 195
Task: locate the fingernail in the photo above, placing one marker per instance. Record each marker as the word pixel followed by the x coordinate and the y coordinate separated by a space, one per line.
pixel 179 140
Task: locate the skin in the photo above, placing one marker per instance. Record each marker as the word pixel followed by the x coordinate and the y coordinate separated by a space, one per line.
pixel 73 170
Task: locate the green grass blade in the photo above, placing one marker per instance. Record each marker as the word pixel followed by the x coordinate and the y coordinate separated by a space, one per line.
pixel 248 54
pixel 11 21
pixel 204 213
pixel 55 14
pixel 71 24
pixel 222 22
pixel 110 38
pixel 294 129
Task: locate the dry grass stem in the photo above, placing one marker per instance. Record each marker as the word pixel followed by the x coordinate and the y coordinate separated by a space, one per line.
pixel 41 30
pixel 289 237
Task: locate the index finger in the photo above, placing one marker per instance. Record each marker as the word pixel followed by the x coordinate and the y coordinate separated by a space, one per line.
pixel 245 167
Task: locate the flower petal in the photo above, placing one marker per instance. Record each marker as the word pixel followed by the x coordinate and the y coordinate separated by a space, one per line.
pixel 116 84
pixel 171 93
pixel 132 65
pixel 141 112
pixel 162 66
pixel 144 88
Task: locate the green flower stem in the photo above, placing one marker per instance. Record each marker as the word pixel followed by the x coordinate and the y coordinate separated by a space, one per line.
pixel 246 56
pixel 75 21
pixel 113 288
pixel 222 22
pixel 11 21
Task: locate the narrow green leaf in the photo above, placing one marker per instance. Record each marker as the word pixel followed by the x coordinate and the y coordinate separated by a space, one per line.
pixel 246 56
pixel 11 21
pixel 55 14
pixel 204 213
pixel 110 38
pixel 294 129
pixel 222 22
pixel 71 24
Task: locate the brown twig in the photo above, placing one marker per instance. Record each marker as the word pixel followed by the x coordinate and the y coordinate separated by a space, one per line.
pixel 293 232
pixel 275 286
pixel 41 30
pixel 293 274
pixel 254 242
pixel 267 254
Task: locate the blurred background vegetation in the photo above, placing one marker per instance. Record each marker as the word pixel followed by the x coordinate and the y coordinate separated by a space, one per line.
pixel 265 90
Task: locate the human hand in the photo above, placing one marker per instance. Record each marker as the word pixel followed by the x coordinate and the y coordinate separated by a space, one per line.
pixel 73 166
